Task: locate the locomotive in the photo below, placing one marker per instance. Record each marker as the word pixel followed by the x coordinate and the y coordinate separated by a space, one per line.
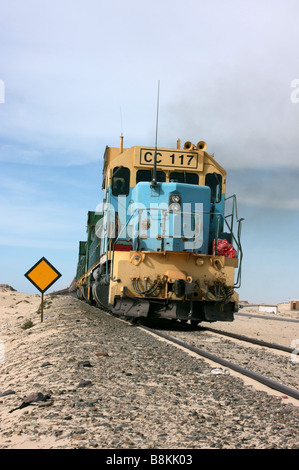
pixel 161 244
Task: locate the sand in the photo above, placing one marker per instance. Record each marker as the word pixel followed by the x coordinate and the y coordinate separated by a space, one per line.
pixel 21 330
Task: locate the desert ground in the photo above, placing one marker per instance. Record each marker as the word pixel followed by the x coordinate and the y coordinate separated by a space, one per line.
pixel 63 379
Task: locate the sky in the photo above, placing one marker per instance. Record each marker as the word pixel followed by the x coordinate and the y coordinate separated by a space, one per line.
pixel 76 74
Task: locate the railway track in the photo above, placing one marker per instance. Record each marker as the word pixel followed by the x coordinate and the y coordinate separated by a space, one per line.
pixel 259 342
pixel 278 386
pixel 266 317
pixel 263 379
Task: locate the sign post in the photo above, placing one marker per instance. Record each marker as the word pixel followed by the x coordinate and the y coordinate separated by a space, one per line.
pixel 42 275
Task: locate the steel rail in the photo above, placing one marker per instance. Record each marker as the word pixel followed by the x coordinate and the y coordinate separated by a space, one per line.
pixel 292 320
pixel 257 377
pixel 250 340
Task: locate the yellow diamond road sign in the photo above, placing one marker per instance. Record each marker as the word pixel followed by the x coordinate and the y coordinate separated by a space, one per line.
pixel 43 275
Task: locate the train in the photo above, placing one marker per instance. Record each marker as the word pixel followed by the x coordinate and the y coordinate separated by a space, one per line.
pixel 165 242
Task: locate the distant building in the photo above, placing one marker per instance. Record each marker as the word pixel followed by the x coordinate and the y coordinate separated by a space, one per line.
pixel 294 304
pixel 268 308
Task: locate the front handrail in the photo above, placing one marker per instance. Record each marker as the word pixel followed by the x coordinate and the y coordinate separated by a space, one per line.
pixel 234 216
pixel 236 237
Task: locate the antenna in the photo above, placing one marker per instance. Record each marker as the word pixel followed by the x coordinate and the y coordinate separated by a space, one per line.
pixel 121 122
pixel 121 132
pixel 154 177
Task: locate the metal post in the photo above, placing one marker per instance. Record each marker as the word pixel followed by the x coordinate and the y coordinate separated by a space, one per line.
pixel 42 309
pixel 154 175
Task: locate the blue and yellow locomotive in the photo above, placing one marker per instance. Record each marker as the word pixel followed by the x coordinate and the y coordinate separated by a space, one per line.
pixel 161 245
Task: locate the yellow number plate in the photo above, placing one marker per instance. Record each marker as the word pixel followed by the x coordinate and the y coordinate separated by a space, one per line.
pixel 170 158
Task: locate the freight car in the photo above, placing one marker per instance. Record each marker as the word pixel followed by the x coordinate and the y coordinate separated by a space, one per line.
pixel 161 244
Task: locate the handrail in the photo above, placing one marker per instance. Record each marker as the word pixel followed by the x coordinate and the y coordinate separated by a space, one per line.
pixel 234 209
pixel 236 238
pixel 125 226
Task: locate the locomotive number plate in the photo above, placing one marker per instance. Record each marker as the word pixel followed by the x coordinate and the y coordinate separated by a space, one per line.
pixel 169 158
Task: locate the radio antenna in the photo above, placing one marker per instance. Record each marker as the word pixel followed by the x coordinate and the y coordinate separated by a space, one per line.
pixel 154 177
pixel 121 122
pixel 121 132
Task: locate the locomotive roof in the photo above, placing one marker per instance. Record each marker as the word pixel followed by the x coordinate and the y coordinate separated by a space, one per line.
pixel 192 159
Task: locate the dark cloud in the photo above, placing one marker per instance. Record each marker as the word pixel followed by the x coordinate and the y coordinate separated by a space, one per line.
pixel 276 188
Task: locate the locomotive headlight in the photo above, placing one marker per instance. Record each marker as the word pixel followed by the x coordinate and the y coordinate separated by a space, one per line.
pixel 175 207
pixel 175 202
pixel 175 198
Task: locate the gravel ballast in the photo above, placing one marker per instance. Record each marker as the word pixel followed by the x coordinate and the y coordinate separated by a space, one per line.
pixel 108 384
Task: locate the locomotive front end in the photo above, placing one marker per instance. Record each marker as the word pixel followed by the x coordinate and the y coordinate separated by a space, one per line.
pixel 166 247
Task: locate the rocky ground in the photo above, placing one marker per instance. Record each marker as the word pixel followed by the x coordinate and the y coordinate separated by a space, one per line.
pixel 93 381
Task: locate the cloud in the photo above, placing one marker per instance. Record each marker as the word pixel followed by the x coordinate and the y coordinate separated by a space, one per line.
pixel 275 188
pixel 68 67
pixel 228 85
pixel 246 117
pixel 46 207
pixel 38 224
